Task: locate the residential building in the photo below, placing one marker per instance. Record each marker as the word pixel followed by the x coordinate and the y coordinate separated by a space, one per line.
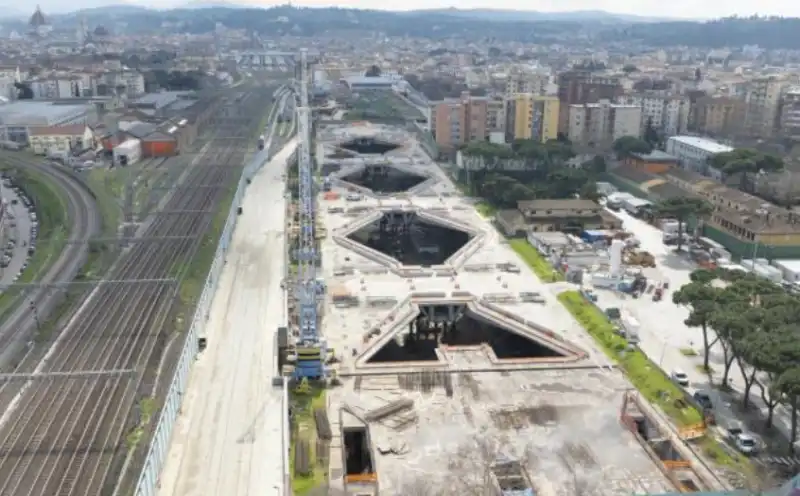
pixel 600 124
pixel 573 215
pixel 49 140
pixel 535 83
pixel 719 115
pixel 495 116
pixel 693 154
pixel 460 120
pixel 669 115
pixel 763 106
pixel 126 81
pixel 579 87
pixel 532 116
pixel 57 87
pixel 790 113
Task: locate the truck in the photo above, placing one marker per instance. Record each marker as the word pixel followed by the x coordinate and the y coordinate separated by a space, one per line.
pixel 261 142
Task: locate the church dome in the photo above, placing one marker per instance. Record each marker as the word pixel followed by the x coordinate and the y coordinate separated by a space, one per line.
pixel 37 19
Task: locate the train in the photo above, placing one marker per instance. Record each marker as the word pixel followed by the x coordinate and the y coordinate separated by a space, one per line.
pixel 261 142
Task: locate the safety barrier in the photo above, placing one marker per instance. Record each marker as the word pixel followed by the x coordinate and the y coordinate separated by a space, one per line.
pixel 148 482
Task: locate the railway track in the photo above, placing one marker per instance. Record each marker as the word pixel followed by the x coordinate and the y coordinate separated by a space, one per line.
pixel 82 211
pixel 63 436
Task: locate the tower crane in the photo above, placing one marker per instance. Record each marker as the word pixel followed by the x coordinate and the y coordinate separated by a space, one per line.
pixel 310 348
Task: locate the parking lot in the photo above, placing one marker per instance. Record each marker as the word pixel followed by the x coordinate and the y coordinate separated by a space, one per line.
pixel 19 232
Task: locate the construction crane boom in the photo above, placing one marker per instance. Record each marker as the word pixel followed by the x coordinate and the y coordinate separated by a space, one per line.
pixel 311 351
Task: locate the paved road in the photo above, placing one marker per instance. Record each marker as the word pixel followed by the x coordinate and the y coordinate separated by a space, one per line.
pixel 664 332
pixel 228 440
pixel 21 232
pixel 86 221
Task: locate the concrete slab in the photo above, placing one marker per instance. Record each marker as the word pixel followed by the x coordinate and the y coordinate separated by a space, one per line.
pixel 563 425
pixel 228 438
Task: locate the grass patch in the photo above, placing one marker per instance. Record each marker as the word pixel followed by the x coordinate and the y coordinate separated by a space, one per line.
pixel 645 375
pixel 704 370
pixel 689 352
pixel 485 209
pixel 303 427
pixel 535 261
pixel 108 187
pixel 50 206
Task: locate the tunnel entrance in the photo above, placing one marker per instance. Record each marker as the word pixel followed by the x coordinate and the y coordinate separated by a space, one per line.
pixel 411 240
pixel 369 146
pixel 450 325
pixel 384 179
pixel 358 458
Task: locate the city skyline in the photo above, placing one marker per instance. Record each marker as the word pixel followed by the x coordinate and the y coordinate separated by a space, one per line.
pixel 679 9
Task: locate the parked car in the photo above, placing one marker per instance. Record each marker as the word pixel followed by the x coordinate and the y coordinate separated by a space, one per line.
pixel 680 377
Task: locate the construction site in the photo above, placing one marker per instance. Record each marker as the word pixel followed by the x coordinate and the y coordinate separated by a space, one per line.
pixel 451 368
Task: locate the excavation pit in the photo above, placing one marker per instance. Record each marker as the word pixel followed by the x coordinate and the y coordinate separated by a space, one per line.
pixel 407 238
pixel 369 146
pixel 384 179
pixel 457 326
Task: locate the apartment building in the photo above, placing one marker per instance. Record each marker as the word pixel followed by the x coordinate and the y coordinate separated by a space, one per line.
pixel 668 115
pixel 580 87
pixel 719 115
pixel 111 82
pixel 532 116
pixel 790 113
pixel 763 106
pixel 459 120
pixel 495 116
pixel 600 124
pixel 693 154
pixel 57 87
pixel 535 83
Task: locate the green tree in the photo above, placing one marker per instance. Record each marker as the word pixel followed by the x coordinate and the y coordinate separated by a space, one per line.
pixel 682 209
pixel 626 145
pixel 702 299
pixel 788 384
pixel 746 163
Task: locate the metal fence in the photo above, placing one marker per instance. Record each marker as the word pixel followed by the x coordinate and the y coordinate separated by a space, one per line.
pixel 147 484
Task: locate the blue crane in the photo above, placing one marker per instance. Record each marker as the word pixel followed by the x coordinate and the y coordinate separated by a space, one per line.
pixel 310 347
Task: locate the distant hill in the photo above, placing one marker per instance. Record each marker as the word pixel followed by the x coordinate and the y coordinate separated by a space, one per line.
pixel 498 15
pixel 210 4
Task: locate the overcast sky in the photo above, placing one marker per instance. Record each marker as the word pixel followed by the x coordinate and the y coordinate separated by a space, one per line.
pixel 657 8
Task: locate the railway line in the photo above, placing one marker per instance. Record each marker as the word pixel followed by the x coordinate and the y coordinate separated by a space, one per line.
pixel 85 217
pixel 63 436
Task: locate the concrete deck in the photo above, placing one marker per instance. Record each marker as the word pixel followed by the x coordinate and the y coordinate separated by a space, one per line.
pixel 562 424
pixel 228 439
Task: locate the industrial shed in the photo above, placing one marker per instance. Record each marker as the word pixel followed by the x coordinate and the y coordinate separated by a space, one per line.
pixel 160 144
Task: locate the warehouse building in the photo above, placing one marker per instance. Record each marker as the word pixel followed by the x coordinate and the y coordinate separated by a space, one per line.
pixel 693 154
pixel 17 118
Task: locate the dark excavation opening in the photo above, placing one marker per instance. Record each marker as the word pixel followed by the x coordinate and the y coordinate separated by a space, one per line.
pixel 410 240
pixel 358 459
pixel 424 335
pixel 384 179
pixel 369 146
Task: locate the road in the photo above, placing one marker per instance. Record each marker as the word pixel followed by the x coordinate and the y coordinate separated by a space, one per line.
pixel 86 222
pixel 664 333
pixel 228 439
pixel 67 437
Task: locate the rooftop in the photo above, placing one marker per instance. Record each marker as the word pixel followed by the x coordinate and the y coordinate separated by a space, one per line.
pixel 33 113
pixel 704 144
pixel 655 156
